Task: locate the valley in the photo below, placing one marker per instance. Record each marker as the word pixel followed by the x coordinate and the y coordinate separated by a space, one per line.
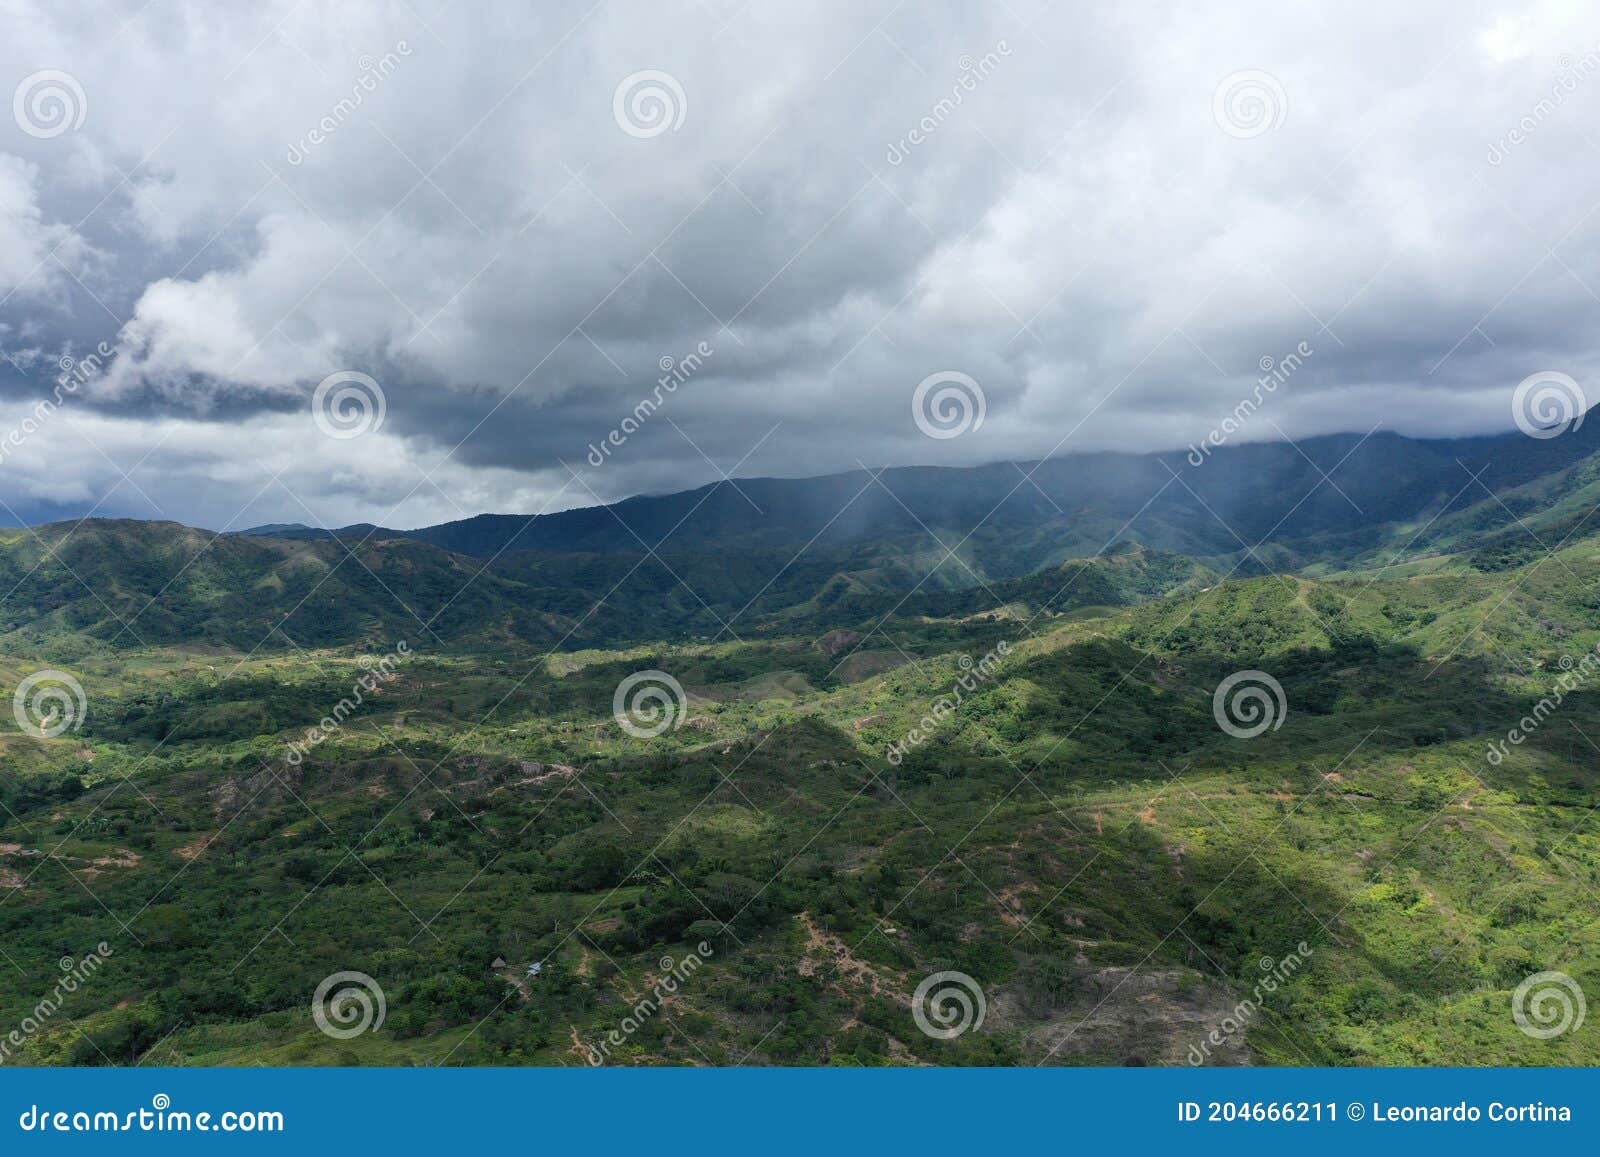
pixel 1071 827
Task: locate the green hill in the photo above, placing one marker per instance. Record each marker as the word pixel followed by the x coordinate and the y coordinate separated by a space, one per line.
pixel 898 753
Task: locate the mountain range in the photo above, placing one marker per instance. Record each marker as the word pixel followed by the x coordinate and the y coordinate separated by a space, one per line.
pixel 909 723
pixel 763 556
pixel 1310 500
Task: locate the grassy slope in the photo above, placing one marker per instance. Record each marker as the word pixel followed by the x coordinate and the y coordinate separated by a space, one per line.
pixel 1079 836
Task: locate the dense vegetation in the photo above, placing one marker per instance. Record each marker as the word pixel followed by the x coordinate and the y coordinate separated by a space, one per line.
pixel 1077 834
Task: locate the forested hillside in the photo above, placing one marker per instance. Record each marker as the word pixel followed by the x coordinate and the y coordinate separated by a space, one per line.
pixel 902 753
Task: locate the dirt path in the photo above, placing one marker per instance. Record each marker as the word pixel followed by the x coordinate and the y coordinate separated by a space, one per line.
pixel 577 1044
pixel 831 949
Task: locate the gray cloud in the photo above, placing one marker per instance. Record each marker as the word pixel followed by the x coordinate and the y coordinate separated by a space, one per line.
pixel 1040 196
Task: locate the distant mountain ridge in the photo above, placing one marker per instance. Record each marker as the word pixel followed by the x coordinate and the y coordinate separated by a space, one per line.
pixel 1079 535
pixel 1322 496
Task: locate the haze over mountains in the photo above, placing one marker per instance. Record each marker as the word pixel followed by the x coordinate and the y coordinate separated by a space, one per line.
pixel 798 554
pixel 1410 600
pixel 1277 492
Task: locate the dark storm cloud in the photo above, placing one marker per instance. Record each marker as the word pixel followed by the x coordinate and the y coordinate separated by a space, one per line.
pixel 1052 199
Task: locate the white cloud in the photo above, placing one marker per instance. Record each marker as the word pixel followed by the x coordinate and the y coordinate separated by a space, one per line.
pixel 36 255
pixel 1078 233
pixel 266 468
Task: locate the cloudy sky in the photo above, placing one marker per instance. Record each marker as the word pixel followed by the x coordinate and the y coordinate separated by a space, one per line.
pixel 504 221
